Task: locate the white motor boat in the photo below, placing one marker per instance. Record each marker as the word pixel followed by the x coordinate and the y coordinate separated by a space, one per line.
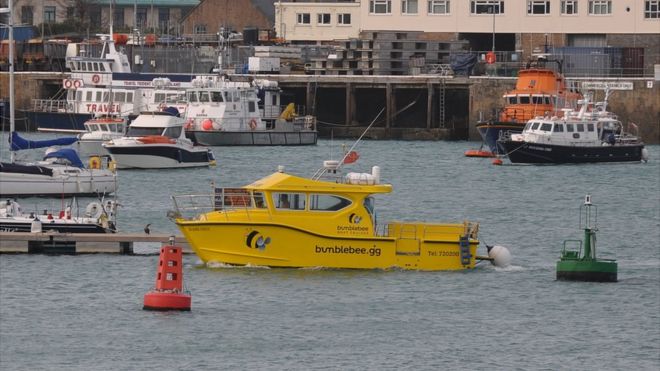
pixel 99 130
pixel 157 140
pixel 96 217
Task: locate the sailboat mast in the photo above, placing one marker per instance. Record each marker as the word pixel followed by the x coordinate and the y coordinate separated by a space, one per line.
pixel 11 79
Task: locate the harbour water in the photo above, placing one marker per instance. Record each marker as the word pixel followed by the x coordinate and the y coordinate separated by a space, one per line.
pixel 85 312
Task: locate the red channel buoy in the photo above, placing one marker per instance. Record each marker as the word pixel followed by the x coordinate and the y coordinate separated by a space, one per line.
pixel 169 293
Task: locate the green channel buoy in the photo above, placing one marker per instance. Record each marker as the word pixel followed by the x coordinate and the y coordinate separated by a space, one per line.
pixel 582 264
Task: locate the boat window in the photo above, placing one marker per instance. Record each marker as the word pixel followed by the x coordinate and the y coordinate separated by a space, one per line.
pixel 216 96
pixel 569 128
pixel 102 67
pixel 120 97
pixel 94 127
pixel 204 96
pixel 275 100
pixel 95 67
pixel 546 100
pixel 546 127
pixel 83 66
pixel 98 97
pixel 512 99
pixel 527 126
pixel 524 99
pixel 106 96
pixel 134 131
pixel 369 205
pixel 580 127
pixel 535 125
pixel 590 127
pixel 327 202
pixel 259 200
pixel 536 99
pixel 173 132
pixel 78 95
pixel 192 97
pixel 293 201
pixel 129 97
pixel 558 128
pixel 159 97
pixel 88 98
pixel 252 107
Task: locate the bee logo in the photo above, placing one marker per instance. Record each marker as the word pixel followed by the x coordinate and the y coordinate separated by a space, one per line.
pixel 256 241
pixel 354 219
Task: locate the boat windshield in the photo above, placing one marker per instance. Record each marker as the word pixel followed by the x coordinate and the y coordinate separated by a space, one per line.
pixel 173 132
pixel 142 132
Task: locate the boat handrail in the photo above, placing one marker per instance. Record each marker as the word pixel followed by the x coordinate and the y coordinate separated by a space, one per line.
pixel 193 206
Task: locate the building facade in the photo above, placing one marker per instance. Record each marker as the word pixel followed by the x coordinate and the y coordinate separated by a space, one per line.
pixel 162 16
pixel 209 16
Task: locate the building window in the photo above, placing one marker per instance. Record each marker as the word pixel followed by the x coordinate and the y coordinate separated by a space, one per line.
pixel 408 6
pixel 141 18
pixel 95 16
pixel 652 9
pixel 486 7
pixel 118 17
pixel 27 16
pixel 344 18
pixel 49 14
pixel 380 6
pixel 600 7
pixel 303 18
pixel 569 7
pixel 438 6
pixel 70 12
pixel 200 29
pixel 164 18
pixel 323 18
pixel 538 7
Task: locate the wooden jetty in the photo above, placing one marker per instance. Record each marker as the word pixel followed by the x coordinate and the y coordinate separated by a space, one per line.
pixel 80 243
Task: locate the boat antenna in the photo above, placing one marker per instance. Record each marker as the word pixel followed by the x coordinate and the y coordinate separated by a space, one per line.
pixel 360 138
pixel 12 118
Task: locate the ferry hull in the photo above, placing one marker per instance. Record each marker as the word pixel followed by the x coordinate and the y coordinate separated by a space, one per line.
pixel 253 138
pixel 276 245
pixel 57 120
pixel 534 153
pixel 491 131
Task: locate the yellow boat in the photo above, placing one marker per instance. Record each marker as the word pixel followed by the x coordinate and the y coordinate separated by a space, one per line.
pixel 328 221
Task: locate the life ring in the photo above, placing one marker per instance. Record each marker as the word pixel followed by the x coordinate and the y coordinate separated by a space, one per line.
pixel 94 210
pixel 96 79
pixel 253 124
pixel 94 162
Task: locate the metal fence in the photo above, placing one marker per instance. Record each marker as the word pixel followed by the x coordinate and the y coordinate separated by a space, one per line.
pixel 577 62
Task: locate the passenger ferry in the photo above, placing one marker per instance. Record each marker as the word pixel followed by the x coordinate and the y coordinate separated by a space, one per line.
pixel 540 90
pixel 326 221
pixel 591 134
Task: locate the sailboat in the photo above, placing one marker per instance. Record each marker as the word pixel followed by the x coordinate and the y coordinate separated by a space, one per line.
pixel 60 173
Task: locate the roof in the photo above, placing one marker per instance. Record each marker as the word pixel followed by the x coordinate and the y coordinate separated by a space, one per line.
pixel 287 182
pixel 267 7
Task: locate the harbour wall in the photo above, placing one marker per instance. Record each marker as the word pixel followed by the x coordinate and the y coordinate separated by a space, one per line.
pixel 400 107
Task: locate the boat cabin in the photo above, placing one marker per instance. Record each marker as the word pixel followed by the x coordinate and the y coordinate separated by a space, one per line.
pixel 572 132
pixel 156 124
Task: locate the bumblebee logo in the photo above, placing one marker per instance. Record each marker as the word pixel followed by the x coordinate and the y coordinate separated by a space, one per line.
pixel 354 219
pixel 256 241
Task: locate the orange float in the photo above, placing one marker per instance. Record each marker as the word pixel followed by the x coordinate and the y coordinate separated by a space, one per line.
pixel 207 124
pixel 478 153
pixel 168 293
pixel 156 139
